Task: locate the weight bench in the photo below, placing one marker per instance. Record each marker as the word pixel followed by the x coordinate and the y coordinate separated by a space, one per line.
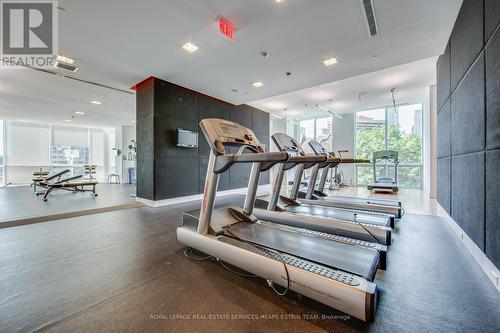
pixel 43 177
pixel 67 184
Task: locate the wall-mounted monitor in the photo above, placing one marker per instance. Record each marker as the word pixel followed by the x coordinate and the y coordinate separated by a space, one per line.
pixel 187 139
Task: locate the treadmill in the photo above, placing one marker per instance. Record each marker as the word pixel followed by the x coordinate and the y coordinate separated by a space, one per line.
pixel 385 184
pixel 366 226
pixel 318 197
pixel 336 274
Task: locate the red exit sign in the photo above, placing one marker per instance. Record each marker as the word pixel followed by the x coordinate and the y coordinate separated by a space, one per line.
pixel 226 28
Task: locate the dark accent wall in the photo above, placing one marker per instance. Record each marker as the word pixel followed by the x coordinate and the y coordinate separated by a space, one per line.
pixel 468 98
pixel 166 171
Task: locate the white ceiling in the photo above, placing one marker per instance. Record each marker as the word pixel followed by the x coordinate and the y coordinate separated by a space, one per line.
pixel 361 92
pixel 118 43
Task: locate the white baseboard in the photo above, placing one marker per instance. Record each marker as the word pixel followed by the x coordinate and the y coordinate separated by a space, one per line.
pixel 261 190
pixel 486 265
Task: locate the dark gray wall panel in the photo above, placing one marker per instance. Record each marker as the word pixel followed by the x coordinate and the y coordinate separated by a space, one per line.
pixel 174 101
pixel 467 112
pixel 493 92
pixel 145 178
pixel 176 177
pixel 179 171
pixel 239 176
pixel 466 39
pixel 260 122
pixel 444 132
pixel 144 98
pixel 166 137
pixel 491 17
pixel 468 200
pixel 241 114
pixel 212 108
pixel 443 78
pixel 493 206
pixel 444 183
pixel 145 137
pixel 202 172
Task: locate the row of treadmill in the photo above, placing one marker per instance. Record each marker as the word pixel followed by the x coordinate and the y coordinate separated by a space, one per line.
pixel 327 248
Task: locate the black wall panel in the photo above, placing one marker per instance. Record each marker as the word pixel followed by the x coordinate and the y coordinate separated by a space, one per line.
pixel 202 173
pixel 444 133
pixel 260 122
pixel 467 198
pixel 493 92
pixel 467 112
pixel 175 101
pixel 144 134
pixel 493 206
pixel 145 183
pixel 443 78
pixel 491 17
pixel 166 137
pixel 145 98
pixel 170 171
pixel 212 108
pixel 241 114
pixel 444 183
pixel 475 126
pixel 176 177
pixel 466 39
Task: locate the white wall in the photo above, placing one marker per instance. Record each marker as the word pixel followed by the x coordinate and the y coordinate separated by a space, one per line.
pixel 344 139
pixel 127 134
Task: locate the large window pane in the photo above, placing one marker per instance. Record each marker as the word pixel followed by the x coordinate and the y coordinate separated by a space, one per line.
pixel 404 132
pixel 27 144
pixel 70 146
pixel 324 132
pixel 410 176
pixel 306 129
pixel 387 129
pixel 370 132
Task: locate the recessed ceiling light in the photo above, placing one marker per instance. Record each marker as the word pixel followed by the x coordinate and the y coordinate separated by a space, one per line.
pixel 96 102
pixel 279 1
pixel 79 112
pixel 67 120
pixel 257 84
pixel 330 61
pixel 134 121
pixel 190 47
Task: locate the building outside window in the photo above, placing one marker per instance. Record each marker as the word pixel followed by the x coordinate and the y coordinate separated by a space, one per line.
pixel 385 129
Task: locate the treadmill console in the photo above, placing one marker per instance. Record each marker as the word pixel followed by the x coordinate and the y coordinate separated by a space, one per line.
pixel 287 143
pixel 319 149
pixel 220 133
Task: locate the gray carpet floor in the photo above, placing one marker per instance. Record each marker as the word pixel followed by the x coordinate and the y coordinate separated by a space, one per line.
pixel 124 271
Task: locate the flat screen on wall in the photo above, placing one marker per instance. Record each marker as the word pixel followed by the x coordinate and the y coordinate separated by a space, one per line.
pixel 188 139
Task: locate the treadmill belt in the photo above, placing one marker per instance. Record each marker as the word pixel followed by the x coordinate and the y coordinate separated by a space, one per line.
pixel 345 257
pixel 339 214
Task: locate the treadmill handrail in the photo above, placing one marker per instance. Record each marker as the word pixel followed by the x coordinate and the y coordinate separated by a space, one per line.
pixel 224 162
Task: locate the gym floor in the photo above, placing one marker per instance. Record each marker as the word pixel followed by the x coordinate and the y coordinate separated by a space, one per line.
pixel 124 271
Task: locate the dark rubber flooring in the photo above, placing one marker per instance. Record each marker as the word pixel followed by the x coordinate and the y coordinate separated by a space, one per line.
pixel 124 271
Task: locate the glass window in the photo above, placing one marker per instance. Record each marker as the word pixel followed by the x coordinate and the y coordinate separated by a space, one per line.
pixel 70 146
pixel 370 132
pixel 404 132
pixel 383 129
pixel 324 132
pixel 306 130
